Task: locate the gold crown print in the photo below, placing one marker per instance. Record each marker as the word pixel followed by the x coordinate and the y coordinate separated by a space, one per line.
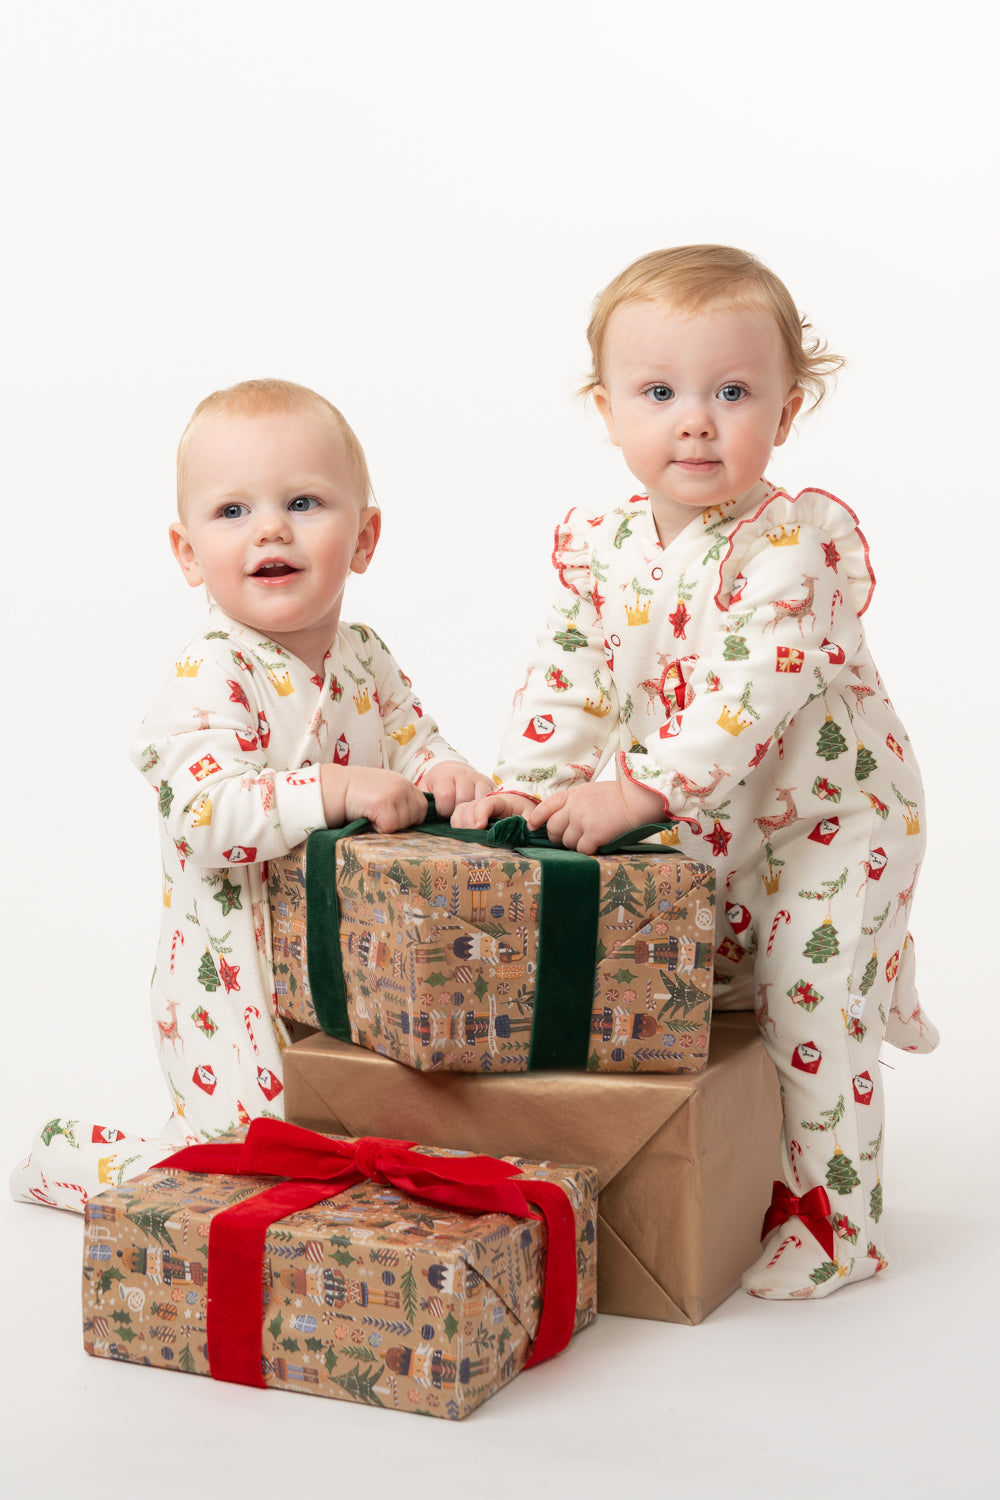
pixel 733 723
pixel 600 709
pixel 784 536
pixel 188 667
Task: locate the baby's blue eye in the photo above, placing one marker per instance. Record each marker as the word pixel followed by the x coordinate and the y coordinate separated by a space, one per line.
pixel 233 511
pixel 303 502
pixel 660 393
pixel 733 392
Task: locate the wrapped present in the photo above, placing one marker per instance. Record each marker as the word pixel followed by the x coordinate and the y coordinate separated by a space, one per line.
pixel 685 1165
pixel 445 952
pixel 423 1280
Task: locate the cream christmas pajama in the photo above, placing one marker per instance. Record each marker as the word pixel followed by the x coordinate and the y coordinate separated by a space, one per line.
pixel 230 748
pixel 729 671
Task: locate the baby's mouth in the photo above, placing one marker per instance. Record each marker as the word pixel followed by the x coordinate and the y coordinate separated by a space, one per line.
pixel 273 570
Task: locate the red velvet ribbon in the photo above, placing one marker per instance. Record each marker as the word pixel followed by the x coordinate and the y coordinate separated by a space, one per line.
pixel 813 1209
pixel 318 1167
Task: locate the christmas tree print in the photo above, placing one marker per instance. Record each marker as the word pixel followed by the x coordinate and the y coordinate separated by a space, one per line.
pixel 824 1272
pixel 166 798
pixel 207 976
pixel 871 973
pixel 620 895
pixel 735 649
pixel 822 943
pixel 875 1202
pixel 865 763
pixel 153 1221
pixel 360 1384
pixel 840 1174
pixel 570 639
pixel 831 742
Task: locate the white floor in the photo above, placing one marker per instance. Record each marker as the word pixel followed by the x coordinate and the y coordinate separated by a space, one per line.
pixel 761 1399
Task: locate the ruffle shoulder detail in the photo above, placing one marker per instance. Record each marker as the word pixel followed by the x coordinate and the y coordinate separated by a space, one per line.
pixel 782 516
pixel 584 532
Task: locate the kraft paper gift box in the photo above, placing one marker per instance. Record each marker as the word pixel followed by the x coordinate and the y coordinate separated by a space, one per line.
pixel 445 952
pixel 371 1296
pixel 685 1164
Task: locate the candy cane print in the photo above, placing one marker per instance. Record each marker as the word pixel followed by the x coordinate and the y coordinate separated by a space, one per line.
pixel 795 1150
pixel 251 1010
pixel 838 598
pixel 174 946
pixel 74 1187
pixel 790 1239
pixel 783 916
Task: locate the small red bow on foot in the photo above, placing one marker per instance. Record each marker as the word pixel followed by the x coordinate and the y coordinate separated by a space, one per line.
pixel 813 1208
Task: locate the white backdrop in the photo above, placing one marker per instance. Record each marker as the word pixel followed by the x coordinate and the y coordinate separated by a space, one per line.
pixel 410 207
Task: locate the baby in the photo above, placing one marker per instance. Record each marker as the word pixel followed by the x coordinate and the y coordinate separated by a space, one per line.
pixel 279 719
pixel 708 634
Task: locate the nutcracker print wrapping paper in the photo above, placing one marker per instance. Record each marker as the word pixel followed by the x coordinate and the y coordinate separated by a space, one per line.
pixel 440 947
pixel 370 1296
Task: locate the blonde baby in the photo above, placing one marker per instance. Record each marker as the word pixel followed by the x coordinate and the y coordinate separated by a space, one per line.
pixel 277 719
pixel 707 634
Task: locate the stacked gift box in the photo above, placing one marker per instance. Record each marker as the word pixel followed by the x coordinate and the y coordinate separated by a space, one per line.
pixel 441 947
pixel 500 997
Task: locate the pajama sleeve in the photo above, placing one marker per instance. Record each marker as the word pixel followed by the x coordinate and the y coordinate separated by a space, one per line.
pixel 566 714
pixel 222 803
pixel 412 735
pixel 791 590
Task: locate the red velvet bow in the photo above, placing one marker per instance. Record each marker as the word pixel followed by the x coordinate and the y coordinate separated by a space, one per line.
pixel 813 1209
pixel 319 1168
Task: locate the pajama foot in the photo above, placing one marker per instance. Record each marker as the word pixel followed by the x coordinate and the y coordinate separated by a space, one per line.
pixel 794 1265
pixel 907 1027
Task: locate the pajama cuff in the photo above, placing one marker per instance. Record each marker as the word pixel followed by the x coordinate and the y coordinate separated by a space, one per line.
pixel 299 801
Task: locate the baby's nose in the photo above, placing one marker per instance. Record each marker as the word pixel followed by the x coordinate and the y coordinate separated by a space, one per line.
pixel 271 525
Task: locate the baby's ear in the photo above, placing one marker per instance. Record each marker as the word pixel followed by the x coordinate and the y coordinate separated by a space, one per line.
pixel 368 535
pixel 603 403
pixel 789 412
pixel 180 546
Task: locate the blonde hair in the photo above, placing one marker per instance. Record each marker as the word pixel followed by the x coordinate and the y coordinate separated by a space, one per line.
pixel 694 278
pixel 258 398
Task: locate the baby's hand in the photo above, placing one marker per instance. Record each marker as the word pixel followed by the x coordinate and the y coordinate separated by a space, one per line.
pixel 385 798
pixel 592 814
pixel 452 783
pixel 477 814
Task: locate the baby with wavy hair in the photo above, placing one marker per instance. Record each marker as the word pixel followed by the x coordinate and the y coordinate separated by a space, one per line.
pixel 708 634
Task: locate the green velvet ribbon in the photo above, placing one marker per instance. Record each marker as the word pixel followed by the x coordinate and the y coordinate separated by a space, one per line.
pixel 567 934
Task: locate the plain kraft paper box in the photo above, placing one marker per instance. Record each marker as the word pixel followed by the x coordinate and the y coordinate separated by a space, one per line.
pixel 685 1163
